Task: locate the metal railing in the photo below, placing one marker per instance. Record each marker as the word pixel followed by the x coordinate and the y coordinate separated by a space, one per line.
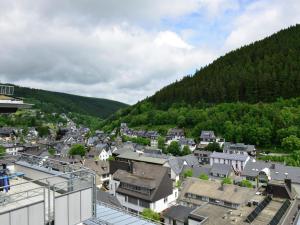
pixel 28 191
pixel 6 89
pixel 125 212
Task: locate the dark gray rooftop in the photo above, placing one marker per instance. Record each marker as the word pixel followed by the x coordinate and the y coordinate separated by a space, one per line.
pixel 207 134
pixel 105 197
pixel 223 169
pixel 177 163
pixel 277 171
pixel 221 155
pixel 238 147
pixel 150 176
pixel 178 212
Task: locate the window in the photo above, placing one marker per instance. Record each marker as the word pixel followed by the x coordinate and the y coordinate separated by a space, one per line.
pixel 144 204
pixel 166 200
pixel 135 188
pixel 175 194
pixel 132 200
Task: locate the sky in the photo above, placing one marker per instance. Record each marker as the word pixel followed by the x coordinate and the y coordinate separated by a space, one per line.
pixel 126 50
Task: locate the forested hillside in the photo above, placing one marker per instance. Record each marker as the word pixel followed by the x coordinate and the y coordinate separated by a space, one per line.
pixel 261 124
pixel 262 71
pixel 250 95
pixel 49 102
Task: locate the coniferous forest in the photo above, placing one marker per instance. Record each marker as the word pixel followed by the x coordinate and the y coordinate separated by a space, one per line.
pixel 262 71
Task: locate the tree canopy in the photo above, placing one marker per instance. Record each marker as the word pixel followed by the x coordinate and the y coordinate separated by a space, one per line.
pixel 226 180
pixel 203 176
pixel 188 173
pixel 77 149
pixel 150 214
pixel 2 151
pixel 186 150
pixel 174 148
pixel 214 146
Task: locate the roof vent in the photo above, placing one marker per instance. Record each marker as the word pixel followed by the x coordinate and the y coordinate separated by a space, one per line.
pixel 273 166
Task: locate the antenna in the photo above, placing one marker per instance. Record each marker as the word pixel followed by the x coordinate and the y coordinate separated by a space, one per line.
pixel 6 90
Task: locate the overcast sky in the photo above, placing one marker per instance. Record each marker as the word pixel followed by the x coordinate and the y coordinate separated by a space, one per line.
pixel 126 50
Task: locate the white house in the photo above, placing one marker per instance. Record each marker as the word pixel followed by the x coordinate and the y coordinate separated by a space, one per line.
pixel 189 142
pixel 105 154
pixel 239 148
pixel 12 149
pixel 146 186
pixel 207 137
pixel 237 161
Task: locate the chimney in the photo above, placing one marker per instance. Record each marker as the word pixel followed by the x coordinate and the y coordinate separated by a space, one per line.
pixel 222 187
pixel 288 183
pixel 273 166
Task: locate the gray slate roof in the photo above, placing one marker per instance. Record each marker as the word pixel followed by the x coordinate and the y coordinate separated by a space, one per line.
pixel 277 170
pixel 177 163
pixel 187 141
pixel 178 212
pixel 207 134
pixel 198 170
pixel 221 155
pixel 107 198
pixel 150 176
pixel 223 169
pixel 238 146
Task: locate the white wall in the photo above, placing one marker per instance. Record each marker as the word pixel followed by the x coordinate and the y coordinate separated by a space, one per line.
pixel 28 215
pixel 160 205
pixel 113 185
pixel 237 165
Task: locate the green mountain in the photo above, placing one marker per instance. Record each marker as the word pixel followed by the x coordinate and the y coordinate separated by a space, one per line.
pixel 250 95
pixel 49 102
pixel 262 71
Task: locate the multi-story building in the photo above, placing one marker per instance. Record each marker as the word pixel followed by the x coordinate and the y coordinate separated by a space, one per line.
pixel 239 148
pixel 237 161
pixel 209 136
pixel 143 186
pixel 174 134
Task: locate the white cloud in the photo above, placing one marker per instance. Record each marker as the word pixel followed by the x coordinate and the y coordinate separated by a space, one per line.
pixel 261 19
pixel 213 8
pixel 118 51
pixel 117 61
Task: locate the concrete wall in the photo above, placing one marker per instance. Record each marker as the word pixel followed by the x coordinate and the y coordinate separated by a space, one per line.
pixel 33 214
